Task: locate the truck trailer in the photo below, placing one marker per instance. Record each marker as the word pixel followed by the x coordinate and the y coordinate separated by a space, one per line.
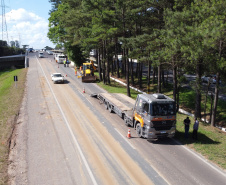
pixel 152 115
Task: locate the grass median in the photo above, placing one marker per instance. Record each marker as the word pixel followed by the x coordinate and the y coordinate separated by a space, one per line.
pixel 11 95
pixel 211 141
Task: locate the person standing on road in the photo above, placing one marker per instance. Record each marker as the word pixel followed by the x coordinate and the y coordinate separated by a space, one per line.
pixel 64 63
pixel 187 123
pixel 195 129
pixel 67 62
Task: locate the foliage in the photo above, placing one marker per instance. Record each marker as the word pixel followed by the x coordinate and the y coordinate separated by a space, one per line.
pixel 184 36
pixel 7 51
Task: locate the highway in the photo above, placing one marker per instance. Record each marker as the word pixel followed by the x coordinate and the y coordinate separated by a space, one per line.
pixel 69 138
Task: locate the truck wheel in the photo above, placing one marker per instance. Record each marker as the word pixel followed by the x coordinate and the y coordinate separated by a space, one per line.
pixel 126 122
pixel 106 105
pixel 138 130
pixel 110 108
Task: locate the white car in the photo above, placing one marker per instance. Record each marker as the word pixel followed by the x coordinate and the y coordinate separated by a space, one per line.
pixel 57 78
pixel 41 55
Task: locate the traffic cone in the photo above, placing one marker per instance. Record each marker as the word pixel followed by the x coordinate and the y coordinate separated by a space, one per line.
pixel 129 135
pixel 66 75
pixel 83 90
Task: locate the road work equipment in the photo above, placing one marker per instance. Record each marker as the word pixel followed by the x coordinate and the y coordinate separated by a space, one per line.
pixel 88 72
pixel 129 135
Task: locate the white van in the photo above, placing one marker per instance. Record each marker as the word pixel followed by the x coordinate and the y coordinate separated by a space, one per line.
pixel 41 55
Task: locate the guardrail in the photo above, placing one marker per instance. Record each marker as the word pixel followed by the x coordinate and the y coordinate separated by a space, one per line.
pixel 17 61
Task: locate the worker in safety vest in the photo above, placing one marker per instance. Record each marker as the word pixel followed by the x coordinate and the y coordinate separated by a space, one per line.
pixel 64 63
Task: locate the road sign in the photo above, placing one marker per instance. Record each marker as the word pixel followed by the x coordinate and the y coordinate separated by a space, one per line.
pixel 15 79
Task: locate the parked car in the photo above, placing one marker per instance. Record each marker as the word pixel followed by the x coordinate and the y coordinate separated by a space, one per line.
pixel 212 79
pixel 41 55
pixel 57 78
pixel 215 79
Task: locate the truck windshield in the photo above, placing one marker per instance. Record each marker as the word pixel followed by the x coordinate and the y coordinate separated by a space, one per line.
pixel 163 109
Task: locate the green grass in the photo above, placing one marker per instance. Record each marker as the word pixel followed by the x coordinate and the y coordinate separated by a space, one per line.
pixel 10 102
pixel 211 141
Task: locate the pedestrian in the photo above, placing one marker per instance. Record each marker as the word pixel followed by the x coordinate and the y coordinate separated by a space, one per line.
pixel 187 123
pixel 64 63
pixel 195 129
pixel 67 62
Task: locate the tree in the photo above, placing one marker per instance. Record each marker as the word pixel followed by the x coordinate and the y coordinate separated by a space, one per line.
pixel 17 44
pixel 213 29
pixel 12 43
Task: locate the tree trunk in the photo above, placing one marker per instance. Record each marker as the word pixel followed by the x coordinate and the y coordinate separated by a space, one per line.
pixel 132 77
pixel 175 86
pixel 123 63
pixel 159 79
pixel 116 57
pixel 163 79
pixel 137 70
pixel 99 65
pixel 108 63
pixel 127 74
pixel 153 76
pixel 103 61
pixel 211 107
pixel 198 90
pixel 140 75
pixel 148 77
pixel 207 90
pixel 214 113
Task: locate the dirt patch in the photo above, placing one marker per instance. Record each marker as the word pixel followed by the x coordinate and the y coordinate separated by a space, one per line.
pixel 17 149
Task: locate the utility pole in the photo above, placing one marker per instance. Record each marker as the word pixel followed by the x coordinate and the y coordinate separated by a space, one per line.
pixel 4 25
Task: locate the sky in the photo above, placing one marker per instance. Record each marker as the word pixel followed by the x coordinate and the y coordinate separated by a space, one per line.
pixel 27 22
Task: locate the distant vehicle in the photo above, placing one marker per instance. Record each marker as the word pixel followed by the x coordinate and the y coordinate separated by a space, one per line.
pixel 211 78
pixel 30 50
pixel 41 55
pixel 57 78
pixel 60 59
pixel 49 52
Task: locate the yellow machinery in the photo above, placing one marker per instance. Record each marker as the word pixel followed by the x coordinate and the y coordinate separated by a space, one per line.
pixel 88 72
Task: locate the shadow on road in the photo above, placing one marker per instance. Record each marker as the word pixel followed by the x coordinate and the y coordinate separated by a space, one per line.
pixel 179 139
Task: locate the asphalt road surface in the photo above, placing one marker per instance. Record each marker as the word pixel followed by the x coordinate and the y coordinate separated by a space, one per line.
pixel 67 137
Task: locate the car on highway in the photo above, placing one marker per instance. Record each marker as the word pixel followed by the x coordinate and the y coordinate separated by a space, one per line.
pixel 41 55
pixel 57 78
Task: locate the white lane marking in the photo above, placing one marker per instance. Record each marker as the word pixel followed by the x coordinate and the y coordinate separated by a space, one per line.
pixel 89 101
pixel 204 160
pixel 124 137
pixel 70 130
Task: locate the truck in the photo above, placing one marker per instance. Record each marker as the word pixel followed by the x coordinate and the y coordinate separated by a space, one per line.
pixel 60 58
pixel 152 115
